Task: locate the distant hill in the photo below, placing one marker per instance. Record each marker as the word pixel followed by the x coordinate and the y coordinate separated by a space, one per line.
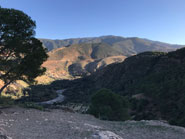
pixel 128 46
pixel 78 57
pixel 153 82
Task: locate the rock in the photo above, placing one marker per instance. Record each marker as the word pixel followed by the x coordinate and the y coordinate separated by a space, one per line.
pixel 3 134
pixel 108 135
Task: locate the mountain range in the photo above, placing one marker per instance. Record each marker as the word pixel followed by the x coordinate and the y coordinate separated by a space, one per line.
pixel 72 58
pixel 127 46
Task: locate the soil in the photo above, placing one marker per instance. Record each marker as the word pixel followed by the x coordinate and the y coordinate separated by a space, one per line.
pixel 20 123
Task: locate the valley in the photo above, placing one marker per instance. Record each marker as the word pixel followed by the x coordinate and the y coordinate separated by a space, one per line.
pixel 58 81
pixel 76 58
pixel 145 79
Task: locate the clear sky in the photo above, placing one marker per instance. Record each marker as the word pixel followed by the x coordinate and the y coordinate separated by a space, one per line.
pixel 162 20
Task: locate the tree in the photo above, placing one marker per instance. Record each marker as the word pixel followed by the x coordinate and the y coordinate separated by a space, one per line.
pixel 21 55
pixel 107 105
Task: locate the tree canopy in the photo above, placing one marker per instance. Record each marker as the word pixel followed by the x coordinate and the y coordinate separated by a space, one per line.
pixel 21 54
pixel 107 105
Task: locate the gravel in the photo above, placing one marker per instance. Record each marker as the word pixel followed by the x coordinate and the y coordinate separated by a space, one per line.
pixel 20 123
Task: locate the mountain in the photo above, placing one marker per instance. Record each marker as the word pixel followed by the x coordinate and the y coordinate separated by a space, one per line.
pixel 153 82
pixel 80 59
pixel 128 46
pixel 73 58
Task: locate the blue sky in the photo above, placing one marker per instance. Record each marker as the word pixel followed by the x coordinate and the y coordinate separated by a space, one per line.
pixel 162 20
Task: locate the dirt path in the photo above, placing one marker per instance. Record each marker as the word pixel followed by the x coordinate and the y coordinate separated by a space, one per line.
pixel 57 124
pixel 58 99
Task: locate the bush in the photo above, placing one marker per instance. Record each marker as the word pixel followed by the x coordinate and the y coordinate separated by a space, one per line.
pixel 6 101
pixel 31 105
pixel 38 93
pixel 107 105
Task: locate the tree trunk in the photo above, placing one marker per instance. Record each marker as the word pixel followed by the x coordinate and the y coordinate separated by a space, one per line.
pixel 2 88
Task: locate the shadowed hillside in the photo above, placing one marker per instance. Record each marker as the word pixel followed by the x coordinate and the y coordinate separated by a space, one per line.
pixel 153 82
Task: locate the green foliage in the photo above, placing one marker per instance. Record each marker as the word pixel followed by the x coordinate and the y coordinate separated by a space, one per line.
pixel 6 102
pixel 107 105
pixel 31 105
pixel 38 93
pixel 21 55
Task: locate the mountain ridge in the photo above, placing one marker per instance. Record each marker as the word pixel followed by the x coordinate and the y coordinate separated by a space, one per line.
pixel 109 36
pixel 57 43
pixel 81 56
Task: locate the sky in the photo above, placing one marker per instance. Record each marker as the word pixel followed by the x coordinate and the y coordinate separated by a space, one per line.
pixel 160 20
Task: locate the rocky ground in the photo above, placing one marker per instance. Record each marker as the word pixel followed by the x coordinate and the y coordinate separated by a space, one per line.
pixel 19 123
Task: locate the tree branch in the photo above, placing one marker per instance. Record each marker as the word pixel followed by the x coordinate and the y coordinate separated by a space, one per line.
pixel 2 88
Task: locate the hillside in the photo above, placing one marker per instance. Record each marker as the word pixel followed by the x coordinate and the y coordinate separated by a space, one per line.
pixel 74 58
pixel 80 59
pixel 153 82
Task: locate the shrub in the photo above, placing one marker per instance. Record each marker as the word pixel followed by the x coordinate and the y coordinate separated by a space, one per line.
pixel 31 105
pixel 107 105
pixel 6 101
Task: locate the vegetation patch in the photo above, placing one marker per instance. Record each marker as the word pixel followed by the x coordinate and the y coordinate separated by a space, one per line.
pixel 6 102
pixel 107 105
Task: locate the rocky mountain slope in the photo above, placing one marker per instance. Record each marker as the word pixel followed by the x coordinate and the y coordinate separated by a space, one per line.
pixel 18 123
pixel 79 57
